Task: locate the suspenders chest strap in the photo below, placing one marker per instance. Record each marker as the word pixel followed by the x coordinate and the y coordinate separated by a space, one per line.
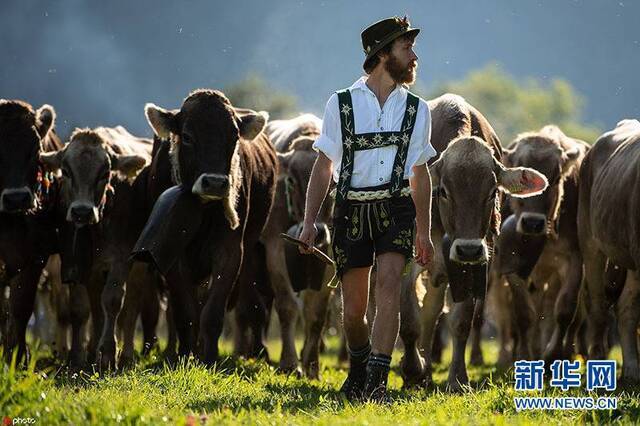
pixel 352 142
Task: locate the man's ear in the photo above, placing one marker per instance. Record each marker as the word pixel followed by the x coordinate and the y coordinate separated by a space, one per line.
pixel 162 121
pixel 252 123
pixel 128 165
pixel 45 119
pixel 52 161
pixel 520 182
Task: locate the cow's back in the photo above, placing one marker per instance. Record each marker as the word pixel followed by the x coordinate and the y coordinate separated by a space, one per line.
pixel 123 142
pixel 452 116
pixel 615 197
pixel 283 133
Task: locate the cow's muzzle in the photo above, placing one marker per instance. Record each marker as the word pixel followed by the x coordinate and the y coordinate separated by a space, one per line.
pixel 532 224
pixel 211 186
pixel 17 200
pixel 82 214
pixel 468 251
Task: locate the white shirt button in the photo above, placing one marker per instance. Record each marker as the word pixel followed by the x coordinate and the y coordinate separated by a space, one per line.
pixel 382 162
pixel 380 179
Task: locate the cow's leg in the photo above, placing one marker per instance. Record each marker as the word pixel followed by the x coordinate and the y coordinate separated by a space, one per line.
pixel 170 351
pixel 437 348
pixel 460 326
pixel 285 303
pixel 221 286
pixel 597 305
pixel 61 303
pixel 316 308
pixel 524 314
pixel 183 309
pixel 150 312
pixel 476 334
pixel 112 298
pixel 79 311
pixel 129 315
pixel 628 314
pixel 22 300
pixel 564 311
pixel 432 305
pixel 502 312
pixel 412 365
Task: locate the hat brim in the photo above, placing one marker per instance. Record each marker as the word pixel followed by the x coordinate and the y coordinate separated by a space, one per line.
pixel 390 38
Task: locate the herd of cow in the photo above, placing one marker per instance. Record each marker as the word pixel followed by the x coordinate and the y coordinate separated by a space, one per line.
pixel 547 229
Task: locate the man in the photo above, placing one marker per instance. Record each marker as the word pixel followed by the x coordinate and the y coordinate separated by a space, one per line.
pixel 375 144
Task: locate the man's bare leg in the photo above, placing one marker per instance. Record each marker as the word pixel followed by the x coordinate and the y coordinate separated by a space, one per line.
pixel 355 298
pixel 386 324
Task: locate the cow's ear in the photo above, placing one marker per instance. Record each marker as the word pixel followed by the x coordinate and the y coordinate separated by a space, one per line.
pixel 521 182
pixel 45 119
pixel 507 154
pixel 52 161
pixel 252 124
pixel 570 158
pixel 434 171
pixel 162 121
pixel 128 165
pixel 283 161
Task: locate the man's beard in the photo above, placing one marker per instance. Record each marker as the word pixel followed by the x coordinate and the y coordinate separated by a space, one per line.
pixel 401 74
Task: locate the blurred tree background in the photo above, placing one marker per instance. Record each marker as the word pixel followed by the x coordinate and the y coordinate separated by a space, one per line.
pixel 510 105
pixel 513 106
pixel 256 93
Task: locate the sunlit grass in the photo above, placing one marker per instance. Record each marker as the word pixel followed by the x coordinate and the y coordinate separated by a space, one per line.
pixel 246 391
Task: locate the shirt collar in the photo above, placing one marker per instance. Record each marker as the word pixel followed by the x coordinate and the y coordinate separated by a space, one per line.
pixel 361 84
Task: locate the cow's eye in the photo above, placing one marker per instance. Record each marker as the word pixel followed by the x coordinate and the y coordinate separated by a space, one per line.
pixel 187 139
pixel 66 173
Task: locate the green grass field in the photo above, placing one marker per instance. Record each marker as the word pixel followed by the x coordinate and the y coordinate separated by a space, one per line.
pixel 251 392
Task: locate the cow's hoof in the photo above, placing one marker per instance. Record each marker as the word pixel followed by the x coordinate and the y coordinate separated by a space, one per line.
pixel 126 361
pixel 77 361
pixel 413 371
pixel 106 356
pixel 476 359
pixel 170 356
pixel 312 370
pixel 455 386
pixel 294 371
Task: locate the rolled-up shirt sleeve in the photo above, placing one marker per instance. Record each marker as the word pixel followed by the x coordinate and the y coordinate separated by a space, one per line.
pixel 427 149
pixel 330 140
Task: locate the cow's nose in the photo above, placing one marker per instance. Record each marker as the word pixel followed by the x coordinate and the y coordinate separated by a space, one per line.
pixel 532 224
pixel 469 252
pixel 82 214
pixel 214 183
pixel 17 200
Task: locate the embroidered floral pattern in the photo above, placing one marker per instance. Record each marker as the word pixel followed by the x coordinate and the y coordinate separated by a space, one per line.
pixel 404 239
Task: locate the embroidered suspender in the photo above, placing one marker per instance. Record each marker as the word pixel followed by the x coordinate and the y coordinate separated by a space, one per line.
pixel 352 142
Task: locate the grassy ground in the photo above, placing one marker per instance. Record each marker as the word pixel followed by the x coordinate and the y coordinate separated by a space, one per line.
pixel 252 392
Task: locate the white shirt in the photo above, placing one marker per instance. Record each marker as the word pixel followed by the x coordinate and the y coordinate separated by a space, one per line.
pixel 372 167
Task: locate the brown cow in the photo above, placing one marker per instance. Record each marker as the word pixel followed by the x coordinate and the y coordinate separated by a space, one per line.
pixel 200 230
pixel 27 198
pixel 290 271
pixel 608 229
pixel 96 199
pixel 466 179
pixel 538 249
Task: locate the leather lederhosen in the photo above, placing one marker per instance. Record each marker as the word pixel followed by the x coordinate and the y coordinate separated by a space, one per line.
pixel 373 220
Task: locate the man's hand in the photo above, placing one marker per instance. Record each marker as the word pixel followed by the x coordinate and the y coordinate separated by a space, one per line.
pixel 424 249
pixel 308 236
